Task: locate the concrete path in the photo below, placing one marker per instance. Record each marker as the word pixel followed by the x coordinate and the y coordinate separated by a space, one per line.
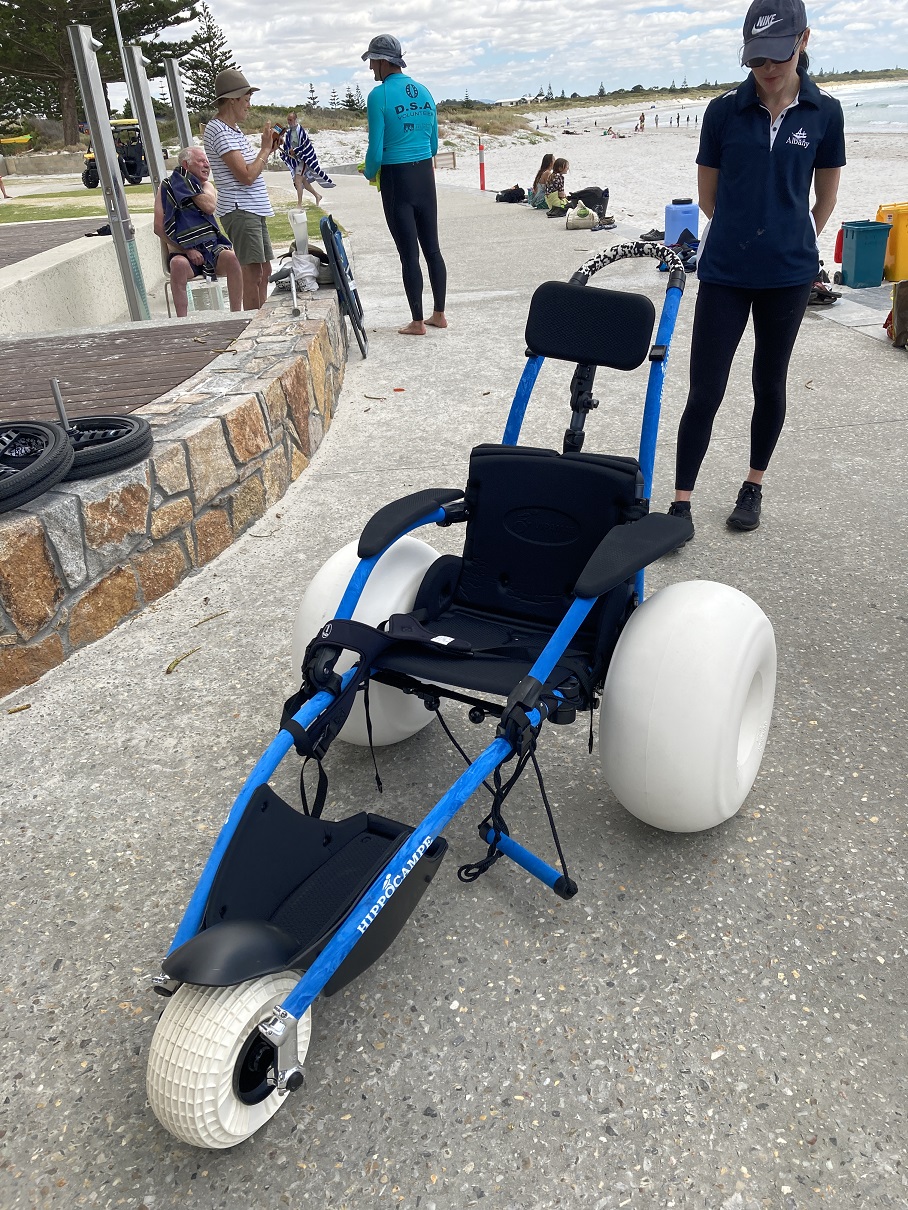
pixel 716 1021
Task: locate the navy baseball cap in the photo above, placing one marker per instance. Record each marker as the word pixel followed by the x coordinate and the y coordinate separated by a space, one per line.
pixel 772 29
pixel 386 46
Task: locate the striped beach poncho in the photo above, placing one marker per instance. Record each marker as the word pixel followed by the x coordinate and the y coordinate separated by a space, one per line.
pixel 297 150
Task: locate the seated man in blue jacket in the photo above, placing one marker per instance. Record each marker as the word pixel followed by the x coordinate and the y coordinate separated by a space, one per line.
pixel 184 220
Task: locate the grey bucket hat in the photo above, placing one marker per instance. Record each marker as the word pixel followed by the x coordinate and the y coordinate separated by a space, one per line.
pixel 386 46
pixel 772 29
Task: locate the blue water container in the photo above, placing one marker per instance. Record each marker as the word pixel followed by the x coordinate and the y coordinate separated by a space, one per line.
pixel 683 212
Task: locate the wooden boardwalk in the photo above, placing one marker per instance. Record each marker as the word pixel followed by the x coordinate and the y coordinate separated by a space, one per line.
pixel 106 373
pixel 18 241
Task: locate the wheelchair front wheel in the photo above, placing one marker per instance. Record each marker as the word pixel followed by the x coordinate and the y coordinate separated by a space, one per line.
pixel 687 706
pixel 208 1065
pixel 391 588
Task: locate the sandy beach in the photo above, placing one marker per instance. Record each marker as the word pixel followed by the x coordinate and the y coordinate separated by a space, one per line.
pixel 642 171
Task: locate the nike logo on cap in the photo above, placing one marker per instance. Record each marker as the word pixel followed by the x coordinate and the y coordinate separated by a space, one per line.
pixel 763 23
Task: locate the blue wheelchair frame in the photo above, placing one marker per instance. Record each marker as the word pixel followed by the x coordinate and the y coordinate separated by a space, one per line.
pixel 379 892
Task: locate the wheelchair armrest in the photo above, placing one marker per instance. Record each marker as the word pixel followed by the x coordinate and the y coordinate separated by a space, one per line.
pixel 397 517
pixel 625 549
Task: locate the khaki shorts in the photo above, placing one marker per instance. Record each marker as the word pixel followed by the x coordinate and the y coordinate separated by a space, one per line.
pixel 249 236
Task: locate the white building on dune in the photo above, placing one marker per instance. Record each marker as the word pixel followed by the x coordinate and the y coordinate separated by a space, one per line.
pixel 526 99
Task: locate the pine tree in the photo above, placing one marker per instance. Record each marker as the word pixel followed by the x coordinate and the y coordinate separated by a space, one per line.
pixel 562 94
pixel 312 99
pixel 211 55
pixel 349 99
pixel 684 82
pixel 601 92
pixel 34 45
pixel 359 99
pixel 549 95
pixel 334 99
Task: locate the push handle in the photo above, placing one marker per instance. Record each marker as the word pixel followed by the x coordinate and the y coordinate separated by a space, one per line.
pixel 676 274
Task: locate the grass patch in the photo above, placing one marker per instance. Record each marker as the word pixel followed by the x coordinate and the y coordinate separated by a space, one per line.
pixel 281 233
pixel 131 191
pixel 88 204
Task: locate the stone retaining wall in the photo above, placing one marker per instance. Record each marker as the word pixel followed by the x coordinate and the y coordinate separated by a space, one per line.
pixel 228 442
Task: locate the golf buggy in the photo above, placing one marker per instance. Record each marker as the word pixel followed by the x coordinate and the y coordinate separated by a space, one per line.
pixel 130 155
pixel 540 621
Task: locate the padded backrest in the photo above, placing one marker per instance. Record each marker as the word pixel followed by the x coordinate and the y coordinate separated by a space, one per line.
pixel 591 326
pixel 535 519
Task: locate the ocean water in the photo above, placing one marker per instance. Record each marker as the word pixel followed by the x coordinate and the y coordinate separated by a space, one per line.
pixel 867 107
pixel 876 108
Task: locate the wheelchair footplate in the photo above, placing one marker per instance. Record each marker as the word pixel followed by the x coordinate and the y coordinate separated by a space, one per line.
pixel 286 883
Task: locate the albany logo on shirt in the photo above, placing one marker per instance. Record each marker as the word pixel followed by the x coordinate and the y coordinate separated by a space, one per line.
pixel 799 138
pixel 399 109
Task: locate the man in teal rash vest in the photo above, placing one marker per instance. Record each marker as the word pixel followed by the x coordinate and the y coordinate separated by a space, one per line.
pixel 403 138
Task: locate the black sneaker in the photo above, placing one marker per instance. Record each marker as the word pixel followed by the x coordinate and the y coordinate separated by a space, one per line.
pixel 653 237
pixel 746 513
pixel 681 508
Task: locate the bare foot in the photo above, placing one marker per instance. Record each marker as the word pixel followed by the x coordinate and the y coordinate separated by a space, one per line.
pixel 437 320
pixel 318 198
pixel 415 328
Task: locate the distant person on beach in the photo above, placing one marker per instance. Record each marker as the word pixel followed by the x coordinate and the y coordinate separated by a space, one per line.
pixel 184 219
pixel 237 166
pixel 762 146
pixel 299 155
pixel 642 121
pixel 537 189
pixel 403 138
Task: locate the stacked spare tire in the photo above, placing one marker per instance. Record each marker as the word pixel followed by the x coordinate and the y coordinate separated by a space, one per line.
pixel 35 456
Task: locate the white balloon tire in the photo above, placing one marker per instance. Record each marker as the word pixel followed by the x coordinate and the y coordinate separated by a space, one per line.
pixel 193 1054
pixel 687 705
pixel 391 588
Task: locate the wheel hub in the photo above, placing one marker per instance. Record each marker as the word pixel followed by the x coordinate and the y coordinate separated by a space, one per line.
pixel 254 1070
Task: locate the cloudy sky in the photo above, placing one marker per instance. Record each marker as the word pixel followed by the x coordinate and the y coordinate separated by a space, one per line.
pixel 503 48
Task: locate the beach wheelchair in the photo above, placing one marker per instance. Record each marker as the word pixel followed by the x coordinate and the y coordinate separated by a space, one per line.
pixel 541 620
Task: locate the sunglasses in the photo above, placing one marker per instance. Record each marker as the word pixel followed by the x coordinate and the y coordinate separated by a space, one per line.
pixel 761 59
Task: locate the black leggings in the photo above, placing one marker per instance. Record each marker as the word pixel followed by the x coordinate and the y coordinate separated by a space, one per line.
pixel 411 212
pixel 720 318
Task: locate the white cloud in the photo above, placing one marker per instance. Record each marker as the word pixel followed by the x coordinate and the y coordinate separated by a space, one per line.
pixel 507 47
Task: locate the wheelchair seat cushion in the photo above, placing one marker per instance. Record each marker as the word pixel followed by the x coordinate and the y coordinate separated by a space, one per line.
pixel 535 518
pixel 501 657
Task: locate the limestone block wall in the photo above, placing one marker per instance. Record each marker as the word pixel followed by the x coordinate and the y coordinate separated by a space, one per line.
pixel 228 442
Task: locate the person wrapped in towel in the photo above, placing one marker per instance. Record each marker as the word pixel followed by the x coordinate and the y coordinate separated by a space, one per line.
pixel 184 221
pixel 299 155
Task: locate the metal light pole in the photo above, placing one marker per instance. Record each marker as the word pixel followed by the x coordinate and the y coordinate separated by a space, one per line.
pixel 178 101
pixel 84 51
pixel 143 110
pixel 116 21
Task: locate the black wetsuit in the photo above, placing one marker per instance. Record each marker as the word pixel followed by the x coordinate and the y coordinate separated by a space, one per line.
pixel 411 212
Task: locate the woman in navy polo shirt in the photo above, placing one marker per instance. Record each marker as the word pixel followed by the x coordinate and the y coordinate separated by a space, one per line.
pixel 762 146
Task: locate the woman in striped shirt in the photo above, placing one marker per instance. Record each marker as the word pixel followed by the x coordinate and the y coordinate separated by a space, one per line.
pixel 237 167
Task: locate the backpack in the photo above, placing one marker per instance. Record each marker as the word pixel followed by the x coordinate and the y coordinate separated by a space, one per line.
pixel 514 194
pixel 897 320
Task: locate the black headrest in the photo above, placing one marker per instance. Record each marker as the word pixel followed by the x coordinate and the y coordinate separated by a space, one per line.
pixel 592 326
